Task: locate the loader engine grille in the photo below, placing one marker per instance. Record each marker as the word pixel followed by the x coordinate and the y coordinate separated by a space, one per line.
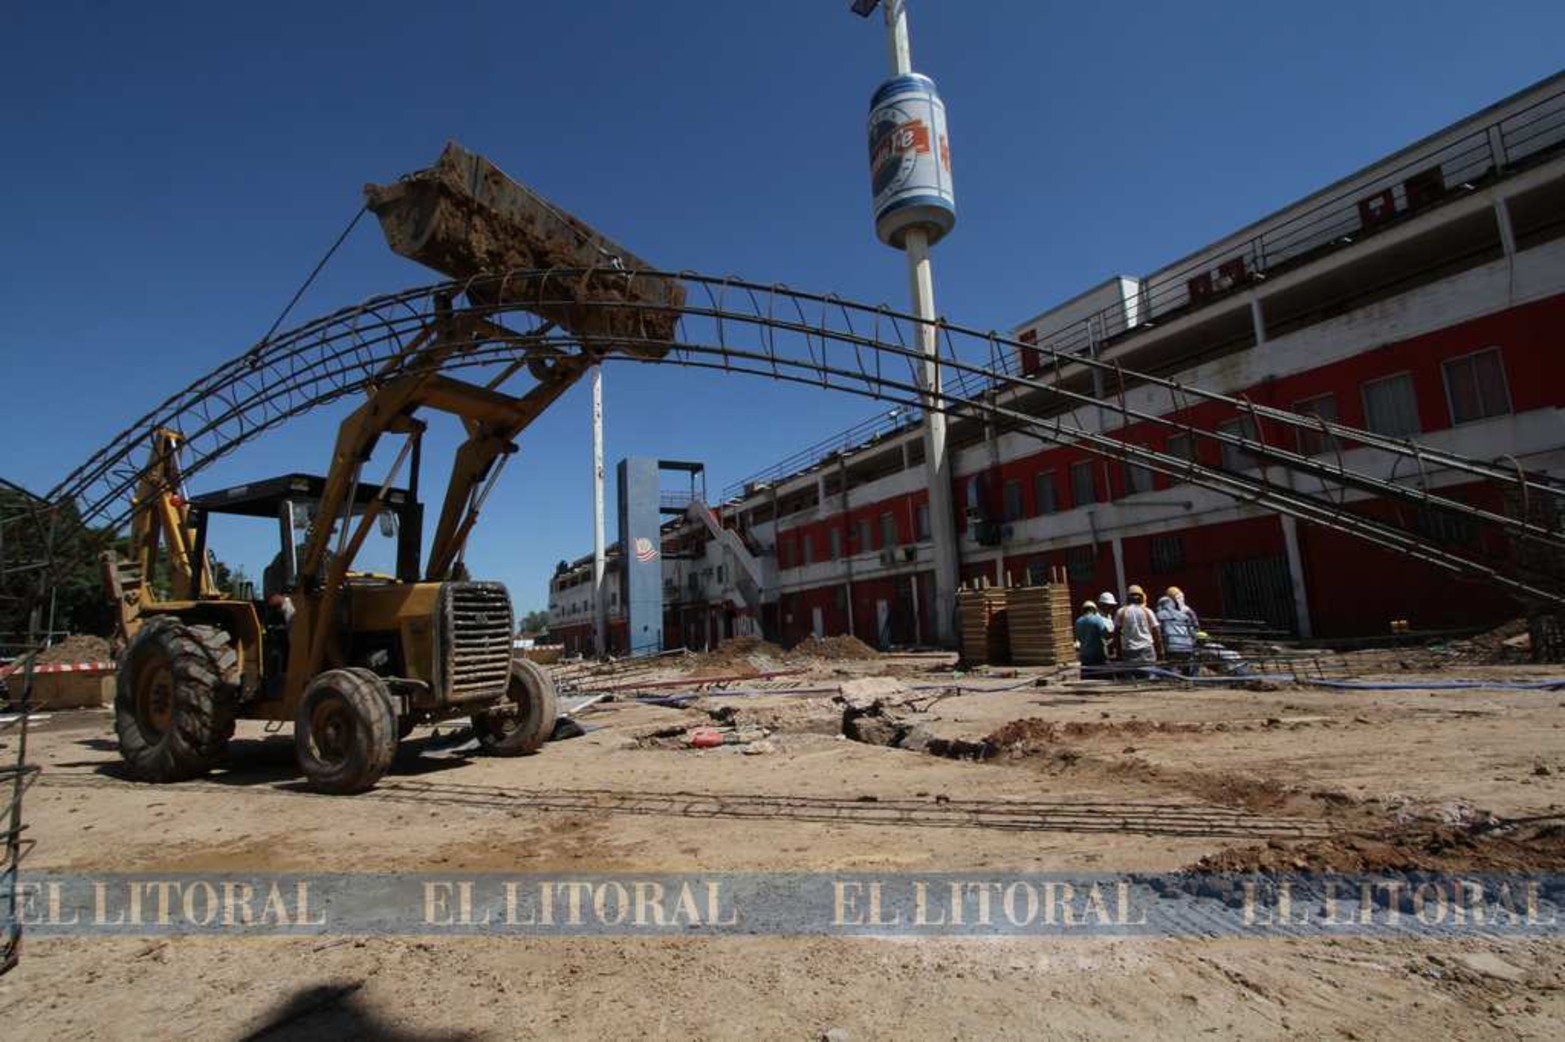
pixel 475 645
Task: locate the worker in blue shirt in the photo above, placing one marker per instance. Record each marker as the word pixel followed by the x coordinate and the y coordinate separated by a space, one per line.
pixel 1178 624
pixel 1092 635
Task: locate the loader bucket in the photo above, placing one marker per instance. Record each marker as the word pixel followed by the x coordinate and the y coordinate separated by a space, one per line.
pixel 464 217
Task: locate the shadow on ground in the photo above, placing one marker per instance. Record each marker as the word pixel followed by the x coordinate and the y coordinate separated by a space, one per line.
pixel 334 1012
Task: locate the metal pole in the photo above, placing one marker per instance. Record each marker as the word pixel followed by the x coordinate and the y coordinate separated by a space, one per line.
pixel 937 462
pixel 599 601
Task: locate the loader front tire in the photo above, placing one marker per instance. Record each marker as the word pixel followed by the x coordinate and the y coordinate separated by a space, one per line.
pixel 174 699
pixel 527 721
pixel 345 734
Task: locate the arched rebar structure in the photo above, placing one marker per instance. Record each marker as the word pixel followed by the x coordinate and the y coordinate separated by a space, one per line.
pixel 736 326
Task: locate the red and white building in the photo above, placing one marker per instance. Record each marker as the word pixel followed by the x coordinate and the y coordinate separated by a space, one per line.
pixel 1421 297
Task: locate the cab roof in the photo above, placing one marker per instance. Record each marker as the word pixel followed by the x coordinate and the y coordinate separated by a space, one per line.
pixel 263 498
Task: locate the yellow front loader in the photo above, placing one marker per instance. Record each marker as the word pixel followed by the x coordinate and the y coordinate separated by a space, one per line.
pixel 354 660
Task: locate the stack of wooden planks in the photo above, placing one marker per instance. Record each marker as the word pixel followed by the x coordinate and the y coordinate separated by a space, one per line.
pixel 984 632
pixel 1041 629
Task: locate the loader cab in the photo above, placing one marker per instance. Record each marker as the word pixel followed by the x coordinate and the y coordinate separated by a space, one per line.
pixel 290 502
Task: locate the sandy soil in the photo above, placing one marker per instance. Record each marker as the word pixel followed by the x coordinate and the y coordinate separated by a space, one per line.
pixel 1249 768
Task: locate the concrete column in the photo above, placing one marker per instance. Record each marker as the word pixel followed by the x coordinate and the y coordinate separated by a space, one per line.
pixel 1301 599
pixel 1258 319
pixel 1502 218
pixel 1119 567
pixel 937 459
pixel 600 597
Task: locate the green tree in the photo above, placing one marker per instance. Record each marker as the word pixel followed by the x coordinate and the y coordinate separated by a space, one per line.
pixel 535 622
pixel 49 558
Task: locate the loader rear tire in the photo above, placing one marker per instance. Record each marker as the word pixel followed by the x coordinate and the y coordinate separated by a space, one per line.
pixel 527 722
pixel 174 699
pixel 345 735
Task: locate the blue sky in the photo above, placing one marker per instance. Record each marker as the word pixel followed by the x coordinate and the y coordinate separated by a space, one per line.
pixel 173 171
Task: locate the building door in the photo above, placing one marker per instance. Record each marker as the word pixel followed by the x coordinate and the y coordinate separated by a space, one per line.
pixel 818 622
pixel 1259 589
pixel 882 624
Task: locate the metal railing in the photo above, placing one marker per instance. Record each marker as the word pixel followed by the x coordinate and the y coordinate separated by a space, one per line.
pixel 1433 177
pixel 861 435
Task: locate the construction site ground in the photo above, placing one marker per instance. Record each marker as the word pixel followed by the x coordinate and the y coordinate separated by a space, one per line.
pixel 1110 778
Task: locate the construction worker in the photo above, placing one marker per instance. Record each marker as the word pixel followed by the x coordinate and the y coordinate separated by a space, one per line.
pixel 1092 640
pixel 1107 605
pixel 1178 628
pixel 1136 631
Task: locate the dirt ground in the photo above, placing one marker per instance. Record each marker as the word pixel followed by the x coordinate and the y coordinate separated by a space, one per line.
pixel 1079 777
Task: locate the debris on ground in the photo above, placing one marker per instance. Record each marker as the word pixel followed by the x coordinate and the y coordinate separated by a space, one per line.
pixel 1509 642
pixel 701 736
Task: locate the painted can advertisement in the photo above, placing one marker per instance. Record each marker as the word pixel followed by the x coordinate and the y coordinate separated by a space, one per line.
pixel 910 160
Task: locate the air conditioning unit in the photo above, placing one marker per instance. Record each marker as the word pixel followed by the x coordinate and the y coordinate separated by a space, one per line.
pixel 1424 187
pixel 1007 532
pixel 1231 273
pixel 1200 288
pixel 909 553
pixel 1378 209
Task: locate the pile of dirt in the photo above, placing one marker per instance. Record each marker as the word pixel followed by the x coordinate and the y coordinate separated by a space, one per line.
pixel 834 649
pixel 1023 736
pixel 748 656
pixel 1506 643
pixel 77 648
pixel 1529 848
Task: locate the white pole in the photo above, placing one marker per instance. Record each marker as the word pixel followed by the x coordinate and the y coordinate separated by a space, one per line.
pixel 599 597
pixel 937 462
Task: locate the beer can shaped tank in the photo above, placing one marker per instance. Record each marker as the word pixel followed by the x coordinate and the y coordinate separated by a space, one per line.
pixel 910 160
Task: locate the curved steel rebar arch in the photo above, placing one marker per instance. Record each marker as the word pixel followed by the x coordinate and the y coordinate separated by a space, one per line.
pixel 737 326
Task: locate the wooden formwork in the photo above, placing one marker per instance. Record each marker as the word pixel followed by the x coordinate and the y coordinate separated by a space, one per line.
pixel 984 632
pixel 1041 629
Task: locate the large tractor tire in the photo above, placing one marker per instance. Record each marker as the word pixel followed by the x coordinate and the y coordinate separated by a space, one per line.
pixel 174 699
pixel 527 721
pixel 345 735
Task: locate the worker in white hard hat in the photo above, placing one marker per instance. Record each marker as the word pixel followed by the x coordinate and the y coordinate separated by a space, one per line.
pixel 1106 606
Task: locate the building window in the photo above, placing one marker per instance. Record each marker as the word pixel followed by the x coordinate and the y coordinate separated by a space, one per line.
pixel 888 530
pixel 840 597
pixel 1168 553
pixel 1013 501
pixel 1475 387
pixel 1391 407
pixel 1137 479
pixel 1048 493
pixel 1312 441
pixel 1081 563
pixel 864 543
pixel 1180 445
pixel 720 577
pixel 921 518
pixel 1235 458
pixel 1082 487
pixel 807 549
pixel 835 539
pixel 1038 573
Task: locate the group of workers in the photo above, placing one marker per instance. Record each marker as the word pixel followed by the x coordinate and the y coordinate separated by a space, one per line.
pixel 1131 638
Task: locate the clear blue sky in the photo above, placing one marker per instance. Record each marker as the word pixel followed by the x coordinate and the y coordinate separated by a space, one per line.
pixel 173 170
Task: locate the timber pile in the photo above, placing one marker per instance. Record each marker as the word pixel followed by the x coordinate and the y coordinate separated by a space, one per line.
pixel 1042 632
pixel 984 634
